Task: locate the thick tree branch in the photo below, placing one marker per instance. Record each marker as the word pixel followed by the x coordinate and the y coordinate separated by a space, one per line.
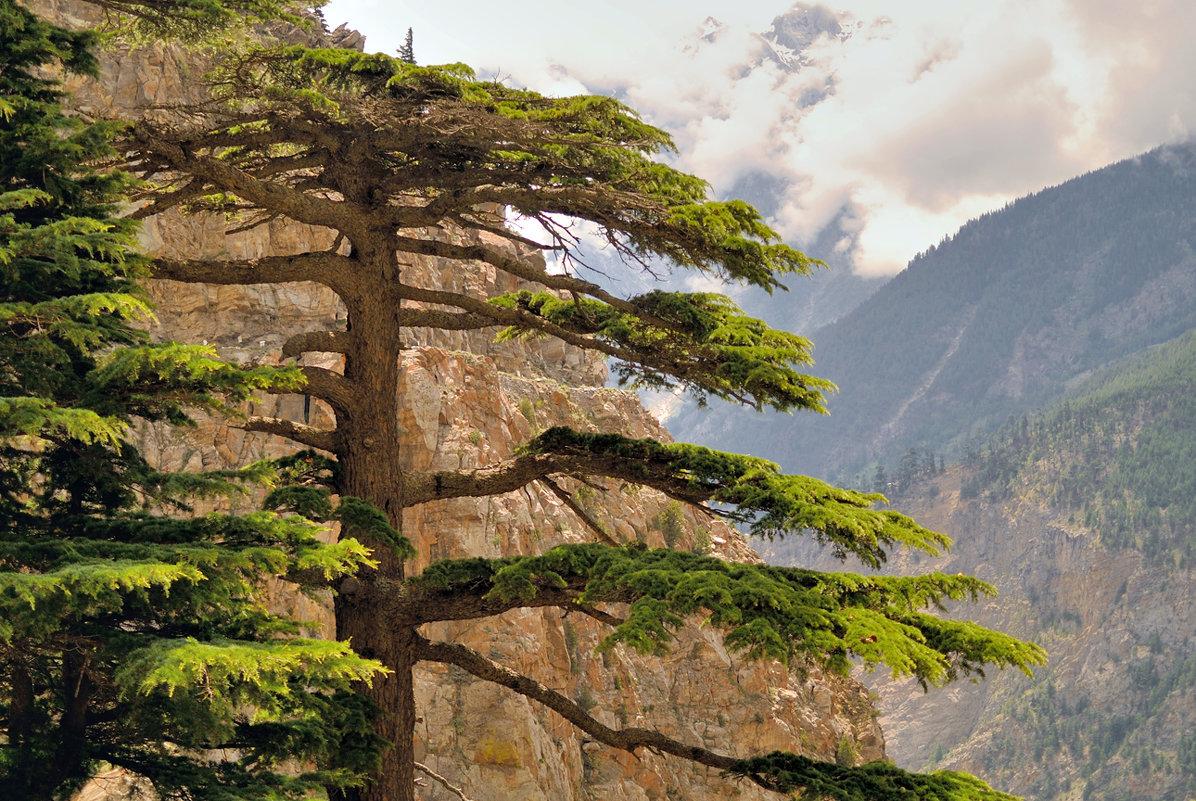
pixel 628 739
pixel 499 315
pixel 330 269
pixel 512 474
pixel 316 342
pixel 329 386
pixel 444 320
pixel 522 319
pixel 299 206
pixel 415 604
pixel 280 165
pixel 690 368
pixel 521 267
pixel 299 432
pixel 164 201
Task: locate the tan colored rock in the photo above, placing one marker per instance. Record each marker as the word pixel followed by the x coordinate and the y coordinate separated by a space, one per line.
pixel 116 785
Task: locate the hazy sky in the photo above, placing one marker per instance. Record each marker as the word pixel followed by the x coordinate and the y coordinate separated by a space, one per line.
pixel 918 115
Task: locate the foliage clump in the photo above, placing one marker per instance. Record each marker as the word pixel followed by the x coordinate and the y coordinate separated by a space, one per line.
pixel 875 780
pixel 707 342
pixel 756 493
pixel 764 612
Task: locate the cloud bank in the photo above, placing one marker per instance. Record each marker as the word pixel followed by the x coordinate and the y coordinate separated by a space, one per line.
pixel 897 122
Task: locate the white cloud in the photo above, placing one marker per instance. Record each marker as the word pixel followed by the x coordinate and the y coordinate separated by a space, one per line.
pixel 927 114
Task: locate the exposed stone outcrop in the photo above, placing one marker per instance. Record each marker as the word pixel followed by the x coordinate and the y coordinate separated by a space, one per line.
pixel 468 401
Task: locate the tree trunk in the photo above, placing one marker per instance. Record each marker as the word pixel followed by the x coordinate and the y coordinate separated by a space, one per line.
pixel 20 726
pixel 393 694
pixel 71 751
pixel 371 470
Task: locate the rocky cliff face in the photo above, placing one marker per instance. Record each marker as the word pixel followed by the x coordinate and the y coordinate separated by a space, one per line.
pixel 1107 718
pixel 468 401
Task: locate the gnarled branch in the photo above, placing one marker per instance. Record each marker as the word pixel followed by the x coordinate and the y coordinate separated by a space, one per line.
pixel 316 342
pixel 445 320
pixel 295 204
pixel 329 386
pixel 524 268
pixel 299 432
pixel 330 269
pixel 578 510
pixel 165 200
pixel 416 604
pixel 519 318
pixel 629 739
pixel 503 316
pixel 512 474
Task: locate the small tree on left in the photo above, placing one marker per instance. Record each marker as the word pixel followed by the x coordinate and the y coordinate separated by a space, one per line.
pixel 132 635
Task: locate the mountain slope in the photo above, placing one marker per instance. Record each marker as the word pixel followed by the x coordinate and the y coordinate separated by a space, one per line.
pixel 1085 518
pixel 997 319
pixel 1120 451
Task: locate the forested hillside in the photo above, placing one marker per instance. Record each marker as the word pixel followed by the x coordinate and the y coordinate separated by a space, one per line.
pixel 996 319
pixel 1119 454
pixel 1083 515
